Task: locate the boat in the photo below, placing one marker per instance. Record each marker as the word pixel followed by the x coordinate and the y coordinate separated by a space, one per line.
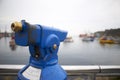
pixel 106 39
pixel 1 36
pixel 82 35
pixel 12 43
pixel 68 39
pixel 88 38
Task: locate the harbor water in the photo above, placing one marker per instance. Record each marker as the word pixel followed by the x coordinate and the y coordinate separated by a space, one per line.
pixel 77 52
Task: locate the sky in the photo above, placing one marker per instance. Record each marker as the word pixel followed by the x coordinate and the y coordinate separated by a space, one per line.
pixel 75 16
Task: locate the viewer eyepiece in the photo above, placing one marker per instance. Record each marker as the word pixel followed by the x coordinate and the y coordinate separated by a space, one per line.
pixel 16 26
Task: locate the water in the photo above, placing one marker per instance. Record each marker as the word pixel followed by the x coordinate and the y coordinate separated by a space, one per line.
pixel 76 53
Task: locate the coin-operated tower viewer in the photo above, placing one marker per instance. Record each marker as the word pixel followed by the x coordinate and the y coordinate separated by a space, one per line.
pixel 43 45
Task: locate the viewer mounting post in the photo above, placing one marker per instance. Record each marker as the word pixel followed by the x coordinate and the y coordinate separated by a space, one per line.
pixel 43 45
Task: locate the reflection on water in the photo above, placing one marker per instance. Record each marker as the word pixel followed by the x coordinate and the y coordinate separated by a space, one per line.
pixel 76 53
pixel 12 44
pixel 13 47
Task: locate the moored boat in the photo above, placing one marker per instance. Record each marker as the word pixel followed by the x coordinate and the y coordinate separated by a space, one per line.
pixel 106 39
pixel 12 41
pixel 88 39
pixel 68 39
pixel 82 35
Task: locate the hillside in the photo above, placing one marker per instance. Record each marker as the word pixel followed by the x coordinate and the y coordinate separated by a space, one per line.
pixel 109 32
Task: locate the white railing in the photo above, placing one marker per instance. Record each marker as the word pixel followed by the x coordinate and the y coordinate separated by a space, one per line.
pixel 71 69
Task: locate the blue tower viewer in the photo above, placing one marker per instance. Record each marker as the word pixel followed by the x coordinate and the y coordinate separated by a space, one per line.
pixel 43 45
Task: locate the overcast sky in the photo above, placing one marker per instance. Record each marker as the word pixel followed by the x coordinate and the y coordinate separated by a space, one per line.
pixel 75 16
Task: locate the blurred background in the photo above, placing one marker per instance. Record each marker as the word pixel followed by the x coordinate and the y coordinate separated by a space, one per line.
pixel 93 30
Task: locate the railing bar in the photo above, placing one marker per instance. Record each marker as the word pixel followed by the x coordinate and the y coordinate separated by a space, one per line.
pixel 76 69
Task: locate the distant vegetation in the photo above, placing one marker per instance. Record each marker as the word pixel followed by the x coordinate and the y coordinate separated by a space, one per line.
pixel 109 32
